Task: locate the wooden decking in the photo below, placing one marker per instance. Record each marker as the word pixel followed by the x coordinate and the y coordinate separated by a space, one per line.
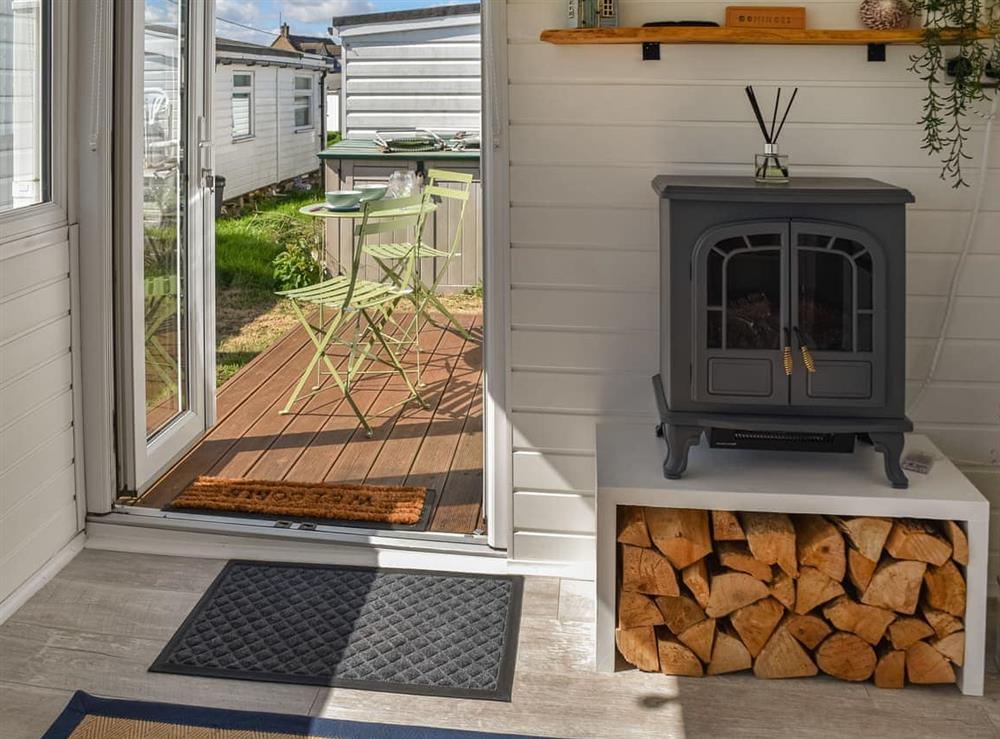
pixel 439 448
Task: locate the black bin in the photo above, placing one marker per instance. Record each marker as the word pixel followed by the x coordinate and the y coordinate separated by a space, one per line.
pixel 220 187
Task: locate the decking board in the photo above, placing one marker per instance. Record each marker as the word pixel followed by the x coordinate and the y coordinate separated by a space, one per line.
pixel 438 447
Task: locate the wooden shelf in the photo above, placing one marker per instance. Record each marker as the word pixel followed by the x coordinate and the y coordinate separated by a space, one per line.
pixel 723 35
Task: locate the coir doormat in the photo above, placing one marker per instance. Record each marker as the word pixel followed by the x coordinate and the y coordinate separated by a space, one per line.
pixel 401 631
pixel 382 506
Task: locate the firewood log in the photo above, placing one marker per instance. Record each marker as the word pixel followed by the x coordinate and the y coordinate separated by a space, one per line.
pixel 952 647
pixel 868 622
pixel 636 609
pixel 925 665
pixel 632 527
pixel 771 538
pixel 647 571
pixel 638 647
pixel 737 557
pixel 814 589
pixel 891 668
pixel 959 541
pixel 866 534
pixel 846 656
pixel 679 613
pixel 783 589
pixel 732 590
pixel 680 533
pixel 729 654
pixel 783 656
pixel 695 576
pixel 726 527
pixel 699 638
pixel 944 589
pixel 808 629
pixel 895 585
pixel 912 539
pixel 903 632
pixel 859 569
pixel 942 623
pixel 819 544
pixel 676 659
pixel 756 622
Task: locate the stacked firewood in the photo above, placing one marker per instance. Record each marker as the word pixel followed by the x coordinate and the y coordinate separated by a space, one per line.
pixel 715 592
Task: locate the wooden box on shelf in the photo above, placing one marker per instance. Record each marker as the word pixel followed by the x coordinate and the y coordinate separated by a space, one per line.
pixel 765 16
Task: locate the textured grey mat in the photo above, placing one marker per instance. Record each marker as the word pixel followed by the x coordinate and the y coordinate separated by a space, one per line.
pixel 403 631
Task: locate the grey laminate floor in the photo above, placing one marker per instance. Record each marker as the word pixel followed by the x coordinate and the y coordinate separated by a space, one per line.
pixel 100 623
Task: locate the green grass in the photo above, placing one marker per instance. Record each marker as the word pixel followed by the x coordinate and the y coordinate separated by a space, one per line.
pixel 332 138
pixel 249 317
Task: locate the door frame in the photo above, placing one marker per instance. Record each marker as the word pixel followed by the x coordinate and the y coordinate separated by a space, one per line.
pixel 95 63
pixel 142 458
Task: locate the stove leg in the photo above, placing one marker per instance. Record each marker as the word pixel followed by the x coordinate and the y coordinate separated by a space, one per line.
pixel 891 446
pixel 679 440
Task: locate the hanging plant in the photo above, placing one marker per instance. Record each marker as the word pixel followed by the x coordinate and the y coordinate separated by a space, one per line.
pixel 957 79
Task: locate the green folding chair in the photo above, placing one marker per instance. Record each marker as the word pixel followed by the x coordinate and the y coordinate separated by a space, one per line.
pixel 367 302
pixel 401 261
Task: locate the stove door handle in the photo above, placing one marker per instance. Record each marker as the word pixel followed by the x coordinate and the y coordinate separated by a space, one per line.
pixel 807 357
pixel 786 354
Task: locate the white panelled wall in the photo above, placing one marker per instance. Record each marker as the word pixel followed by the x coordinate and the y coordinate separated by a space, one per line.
pixel 38 476
pixel 590 126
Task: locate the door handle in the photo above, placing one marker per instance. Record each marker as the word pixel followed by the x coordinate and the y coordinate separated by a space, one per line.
pixel 807 357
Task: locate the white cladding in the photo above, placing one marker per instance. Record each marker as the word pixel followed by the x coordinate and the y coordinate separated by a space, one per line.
pixel 590 126
pixel 412 74
pixel 276 147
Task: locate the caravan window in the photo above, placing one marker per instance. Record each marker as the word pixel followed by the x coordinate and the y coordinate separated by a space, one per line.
pixel 242 105
pixel 303 102
pixel 25 78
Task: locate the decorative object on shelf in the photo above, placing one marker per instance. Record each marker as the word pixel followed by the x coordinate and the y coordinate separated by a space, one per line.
pixel 592 13
pixel 958 84
pixel 884 15
pixel 771 166
pixel 765 16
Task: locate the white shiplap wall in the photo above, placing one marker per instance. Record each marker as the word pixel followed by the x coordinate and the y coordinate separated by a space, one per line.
pixel 38 509
pixel 421 74
pixel 589 128
pixel 277 150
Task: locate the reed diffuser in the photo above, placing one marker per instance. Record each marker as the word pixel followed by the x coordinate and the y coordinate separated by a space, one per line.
pixel 771 166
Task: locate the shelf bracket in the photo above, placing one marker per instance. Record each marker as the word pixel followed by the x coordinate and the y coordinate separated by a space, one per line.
pixel 876 52
pixel 650 51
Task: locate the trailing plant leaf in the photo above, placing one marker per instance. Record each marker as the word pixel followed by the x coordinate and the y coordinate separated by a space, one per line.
pixel 955 88
pixel 296 267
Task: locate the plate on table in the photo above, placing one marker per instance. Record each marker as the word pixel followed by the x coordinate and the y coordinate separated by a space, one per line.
pixel 343 208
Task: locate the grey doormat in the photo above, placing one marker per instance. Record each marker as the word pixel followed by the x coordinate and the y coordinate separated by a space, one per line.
pixel 400 631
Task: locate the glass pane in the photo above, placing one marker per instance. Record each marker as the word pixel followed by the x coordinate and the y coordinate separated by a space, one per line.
pixel 24 106
pixel 302 83
pixel 714 269
pixel 241 114
pixel 826 305
pixel 864 266
pixel 753 300
pixel 302 110
pixel 865 332
pixel 817 241
pixel 764 239
pixel 715 329
pixel 848 246
pixel 731 244
pixel 164 138
pixel 242 80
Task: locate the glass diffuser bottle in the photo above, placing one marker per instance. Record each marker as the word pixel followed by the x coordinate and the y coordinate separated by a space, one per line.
pixel 771 166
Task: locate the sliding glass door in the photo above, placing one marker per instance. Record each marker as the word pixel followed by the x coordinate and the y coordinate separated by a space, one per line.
pixel 164 235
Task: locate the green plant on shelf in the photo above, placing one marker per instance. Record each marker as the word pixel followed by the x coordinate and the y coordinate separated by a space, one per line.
pixel 955 78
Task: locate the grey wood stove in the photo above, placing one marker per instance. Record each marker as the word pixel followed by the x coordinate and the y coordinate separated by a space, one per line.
pixel 750 274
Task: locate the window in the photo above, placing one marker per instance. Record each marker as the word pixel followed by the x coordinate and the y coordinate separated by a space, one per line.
pixel 303 102
pixel 25 77
pixel 242 105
